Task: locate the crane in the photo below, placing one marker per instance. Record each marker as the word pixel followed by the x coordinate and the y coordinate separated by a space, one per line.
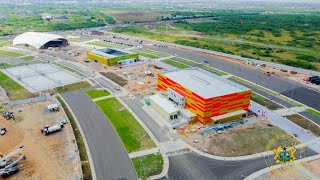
pixel 6 159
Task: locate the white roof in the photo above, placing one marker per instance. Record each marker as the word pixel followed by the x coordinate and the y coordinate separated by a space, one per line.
pixel 204 83
pixel 51 106
pixel 35 39
pixel 165 104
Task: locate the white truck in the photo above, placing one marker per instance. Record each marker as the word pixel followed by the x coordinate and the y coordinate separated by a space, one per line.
pixel 51 129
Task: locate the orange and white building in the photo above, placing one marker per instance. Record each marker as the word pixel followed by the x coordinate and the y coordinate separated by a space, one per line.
pixel 211 98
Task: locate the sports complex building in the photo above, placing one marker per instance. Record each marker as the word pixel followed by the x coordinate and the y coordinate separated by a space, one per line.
pixel 211 98
pixel 40 40
pixel 113 56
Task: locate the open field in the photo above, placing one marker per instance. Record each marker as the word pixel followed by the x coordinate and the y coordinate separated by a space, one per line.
pixel 264 101
pixel 285 42
pixel 94 93
pixel 14 90
pixel 131 15
pixel 81 147
pixel 175 64
pixel 58 148
pixel 10 53
pixel 150 56
pixel 304 123
pixel 246 142
pixel 129 130
pixel 101 44
pixel 5 43
pixel 148 165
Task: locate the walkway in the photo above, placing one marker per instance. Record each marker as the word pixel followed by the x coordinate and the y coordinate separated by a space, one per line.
pixel 110 159
pixel 143 152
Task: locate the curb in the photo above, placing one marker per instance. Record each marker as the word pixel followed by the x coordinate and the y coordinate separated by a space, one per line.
pixel 93 172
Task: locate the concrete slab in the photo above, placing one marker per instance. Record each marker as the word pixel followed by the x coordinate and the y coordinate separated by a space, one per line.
pixel 39 77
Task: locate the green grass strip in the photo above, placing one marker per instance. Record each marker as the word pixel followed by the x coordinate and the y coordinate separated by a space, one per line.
pixel 27 58
pixel 209 68
pixel 313 111
pixel 10 53
pixel 94 93
pixel 85 165
pixel 175 64
pixel 131 133
pixel 161 54
pixel 148 165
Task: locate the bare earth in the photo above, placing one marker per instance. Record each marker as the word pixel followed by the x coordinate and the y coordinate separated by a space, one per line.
pixel 48 157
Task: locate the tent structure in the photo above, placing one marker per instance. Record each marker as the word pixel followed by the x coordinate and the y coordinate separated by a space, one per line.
pixel 40 40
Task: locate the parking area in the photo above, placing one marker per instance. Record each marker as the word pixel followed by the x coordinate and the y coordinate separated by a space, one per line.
pixel 38 77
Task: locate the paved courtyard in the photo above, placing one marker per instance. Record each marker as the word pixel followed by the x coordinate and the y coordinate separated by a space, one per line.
pixel 38 77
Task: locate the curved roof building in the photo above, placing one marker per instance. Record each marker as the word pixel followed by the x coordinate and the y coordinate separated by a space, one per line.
pixel 40 40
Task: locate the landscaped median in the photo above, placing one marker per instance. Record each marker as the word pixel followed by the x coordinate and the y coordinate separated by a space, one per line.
pixel 313 111
pixel 148 165
pixel 290 101
pixel 81 146
pixel 175 64
pixel 131 133
pixel 96 93
pixel 10 53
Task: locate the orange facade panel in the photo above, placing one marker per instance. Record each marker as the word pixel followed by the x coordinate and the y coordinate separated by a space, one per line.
pixel 205 108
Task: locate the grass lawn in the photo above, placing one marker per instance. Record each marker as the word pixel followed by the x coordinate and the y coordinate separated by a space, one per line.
pixel 99 44
pixel 71 87
pixel 148 165
pixel 245 142
pixel 175 64
pixel 209 68
pixel 115 78
pixel 74 40
pixel 10 53
pixel 27 58
pixel 81 147
pixel 15 90
pixel 268 91
pixel 129 130
pixel 304 123
pixel 94 93
pixel 312 111
pixel 265 102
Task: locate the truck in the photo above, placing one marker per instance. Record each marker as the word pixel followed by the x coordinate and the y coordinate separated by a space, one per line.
pixel 51 129
pixel 11 168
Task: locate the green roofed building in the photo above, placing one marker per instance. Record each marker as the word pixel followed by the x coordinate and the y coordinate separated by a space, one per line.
pixel 111 56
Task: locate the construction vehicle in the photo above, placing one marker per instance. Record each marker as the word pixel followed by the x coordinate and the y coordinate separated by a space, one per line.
pixel 51 129
pixel 11 168
pixel 267 73
pixel 3 131
pixel 8 115
pixel 293 72
pixel 4 161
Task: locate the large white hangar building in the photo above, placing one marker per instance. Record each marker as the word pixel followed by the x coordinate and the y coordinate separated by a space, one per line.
pixel 40 40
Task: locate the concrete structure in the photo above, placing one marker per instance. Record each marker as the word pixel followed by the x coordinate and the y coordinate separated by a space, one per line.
pixel 40 40
pixel 113 56
pixel 39 77
pixel 165 108
pixel 206 95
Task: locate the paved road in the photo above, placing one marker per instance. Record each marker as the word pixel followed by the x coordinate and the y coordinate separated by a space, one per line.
pixel 193 166
pixel 310 116
pixel 110 159
pixel 285 87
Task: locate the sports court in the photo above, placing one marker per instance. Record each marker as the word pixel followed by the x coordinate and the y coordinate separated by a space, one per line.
pixel 39 77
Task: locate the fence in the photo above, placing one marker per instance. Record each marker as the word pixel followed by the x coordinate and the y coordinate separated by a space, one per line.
pixel 40 98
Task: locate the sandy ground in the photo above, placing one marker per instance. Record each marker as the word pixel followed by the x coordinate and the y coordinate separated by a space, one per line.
pixel 295 172
pixel 48 157
pixel 138 81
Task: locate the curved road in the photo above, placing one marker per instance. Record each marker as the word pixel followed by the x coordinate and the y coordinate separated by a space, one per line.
pixel 110 159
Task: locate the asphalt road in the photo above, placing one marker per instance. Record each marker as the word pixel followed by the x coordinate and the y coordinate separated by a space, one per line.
pixel 110 159
pixel 285 87
pixel 194 166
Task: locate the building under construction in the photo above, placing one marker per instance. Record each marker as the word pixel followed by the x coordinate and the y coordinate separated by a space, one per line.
pixel 113 56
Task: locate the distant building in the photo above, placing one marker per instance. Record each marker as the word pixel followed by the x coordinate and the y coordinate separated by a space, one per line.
pixel 61 19
pixel 113 56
